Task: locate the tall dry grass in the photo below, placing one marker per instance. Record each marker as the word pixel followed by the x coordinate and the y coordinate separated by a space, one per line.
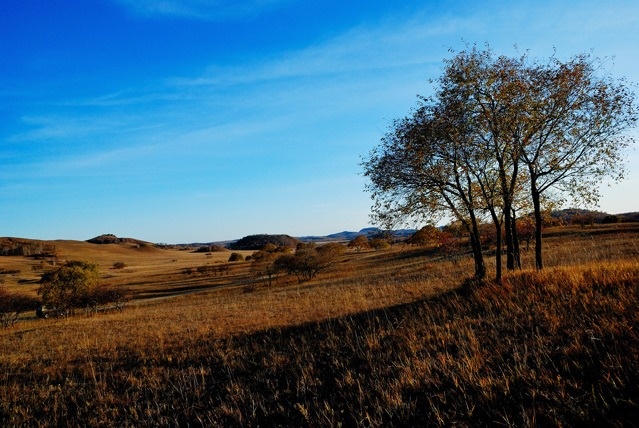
pixel 384 340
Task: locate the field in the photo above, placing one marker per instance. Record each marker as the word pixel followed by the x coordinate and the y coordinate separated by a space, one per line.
pixel 395 337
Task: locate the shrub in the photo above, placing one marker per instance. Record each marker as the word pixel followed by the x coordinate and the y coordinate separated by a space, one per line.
pixel 12 305
pixel 309 260
pixel 119 265
pixel 379 244
pixel 236 257
pixel 427 235
pixel 66 287
pixel 359 243
pixel 103 295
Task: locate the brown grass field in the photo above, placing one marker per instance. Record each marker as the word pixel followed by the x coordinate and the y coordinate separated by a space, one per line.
pixel 389 338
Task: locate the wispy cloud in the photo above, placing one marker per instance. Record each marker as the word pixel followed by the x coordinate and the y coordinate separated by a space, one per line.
pixel 200 9
pixel 362 49
pixel 233 105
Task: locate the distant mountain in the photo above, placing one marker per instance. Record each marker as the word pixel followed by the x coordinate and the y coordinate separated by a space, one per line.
pixel 347 235
pixel 567 216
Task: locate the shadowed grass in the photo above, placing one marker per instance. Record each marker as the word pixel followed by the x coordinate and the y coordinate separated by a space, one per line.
pixel 384 340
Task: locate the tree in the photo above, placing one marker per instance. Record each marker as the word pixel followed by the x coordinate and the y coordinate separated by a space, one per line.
pixel 359 242
pixel 495 127
pixel 493 103
pixel 264 262
pixel 423 169
pixel 66 287
pixel 574 132
pixel 427 235
pixel 309 259
pixel 379 244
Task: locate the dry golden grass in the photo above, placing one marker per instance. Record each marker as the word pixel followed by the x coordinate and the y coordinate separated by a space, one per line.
pixel 381 340
pixel 149 270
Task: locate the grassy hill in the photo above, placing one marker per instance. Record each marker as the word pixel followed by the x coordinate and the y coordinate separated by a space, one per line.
pixel 386 338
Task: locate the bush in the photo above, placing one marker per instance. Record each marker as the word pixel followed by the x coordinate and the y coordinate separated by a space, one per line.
pixel 610 219
pixel 426 236
pixel 309 260
pixel 360 242
pixel 14 304
pixel 103 295
pixel 119 265
pixel 236 257
pixel 66 287
pixel 379 244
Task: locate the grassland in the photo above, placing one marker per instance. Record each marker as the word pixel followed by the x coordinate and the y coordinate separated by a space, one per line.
pixel 386 338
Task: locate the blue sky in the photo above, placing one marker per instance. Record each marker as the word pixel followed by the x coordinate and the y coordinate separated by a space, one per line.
pixel 192 120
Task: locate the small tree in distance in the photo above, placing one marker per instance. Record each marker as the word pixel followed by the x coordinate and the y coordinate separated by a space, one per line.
pixel 427 235
pixel 76 284
pixel 379 244
pixel 360 242
pixel 264 262
pixel 12 305
pixel 310 259
pixel 236 257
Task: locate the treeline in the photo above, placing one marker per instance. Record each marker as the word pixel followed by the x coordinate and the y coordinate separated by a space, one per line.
pixel 26 247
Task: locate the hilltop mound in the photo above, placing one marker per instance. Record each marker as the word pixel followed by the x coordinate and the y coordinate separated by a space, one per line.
pixel 109 238
pixel 257 242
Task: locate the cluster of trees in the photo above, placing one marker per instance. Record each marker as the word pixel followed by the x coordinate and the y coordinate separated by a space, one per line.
pixel 256 242
pixel 73 285
pixel 502 136
pixel 305 262
pixel 362 242
pixel 76 284
pixel 26 247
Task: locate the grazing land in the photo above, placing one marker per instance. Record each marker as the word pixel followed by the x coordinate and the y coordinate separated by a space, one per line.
pixel 393 337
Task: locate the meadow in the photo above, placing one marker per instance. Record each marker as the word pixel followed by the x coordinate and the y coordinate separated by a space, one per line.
pixel 396 337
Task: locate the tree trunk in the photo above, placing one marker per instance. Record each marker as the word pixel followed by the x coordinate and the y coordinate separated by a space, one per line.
pixel 515 237
pixel 536 197
pixel 478 256
pixel 510 252
pixel 498 244
pixel 498 253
